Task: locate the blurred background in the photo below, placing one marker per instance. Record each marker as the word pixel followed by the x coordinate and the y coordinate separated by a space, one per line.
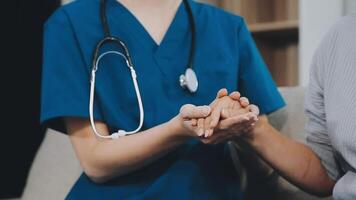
pixel 287 32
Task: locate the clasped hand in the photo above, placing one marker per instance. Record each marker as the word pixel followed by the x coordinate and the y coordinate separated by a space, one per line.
pixel 227 117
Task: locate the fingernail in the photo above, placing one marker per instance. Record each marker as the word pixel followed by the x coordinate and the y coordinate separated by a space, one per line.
pixel 207 132
pixel 200 132
pixel 210 133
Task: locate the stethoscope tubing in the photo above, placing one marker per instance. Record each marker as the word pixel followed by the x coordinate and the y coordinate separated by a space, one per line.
pixel 119 133
pixel 184 79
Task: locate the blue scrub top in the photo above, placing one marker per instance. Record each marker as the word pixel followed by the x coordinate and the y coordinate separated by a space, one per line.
pixel 225 57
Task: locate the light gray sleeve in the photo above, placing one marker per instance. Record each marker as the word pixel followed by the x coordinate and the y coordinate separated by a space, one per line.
pixel 317 136
pixel 345 187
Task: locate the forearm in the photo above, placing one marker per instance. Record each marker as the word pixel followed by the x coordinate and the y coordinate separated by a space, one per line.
pixel 295 161
pixel 106 159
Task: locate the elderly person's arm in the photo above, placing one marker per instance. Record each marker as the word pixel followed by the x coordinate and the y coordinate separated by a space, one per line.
pixel 313 167
pixel 295 161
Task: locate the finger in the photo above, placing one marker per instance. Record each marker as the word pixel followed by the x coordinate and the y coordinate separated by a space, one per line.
pixel 228 112
pixel 208 129
pixel 235 95
pixel 225 113
pixel 221 93
pixel 238 120
pixel 185 110
pixel 200 130
pixel 190 111
pixel 252 119
pixel 187 124
pixel 193 122
pixel 226 123
pixel 246 125
pixel 220 138
pixel 244 102
pixel 215 117
pixel 254 109
pixel 209 140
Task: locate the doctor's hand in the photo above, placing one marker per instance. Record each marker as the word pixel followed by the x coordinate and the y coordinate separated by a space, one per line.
pixel 185 121
pixel 231 128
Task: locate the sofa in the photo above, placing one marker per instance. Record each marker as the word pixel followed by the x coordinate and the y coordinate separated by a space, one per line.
pixel 55 168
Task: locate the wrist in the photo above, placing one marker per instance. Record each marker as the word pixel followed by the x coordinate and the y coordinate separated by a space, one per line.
pixel 177 128
pixel 257 135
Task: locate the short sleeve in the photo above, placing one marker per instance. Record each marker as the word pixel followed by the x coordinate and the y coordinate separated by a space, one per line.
pixel 255 81
pixel 65 78
pixel 317 136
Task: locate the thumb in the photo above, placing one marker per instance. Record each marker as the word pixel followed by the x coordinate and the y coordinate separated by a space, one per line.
pixel 190 111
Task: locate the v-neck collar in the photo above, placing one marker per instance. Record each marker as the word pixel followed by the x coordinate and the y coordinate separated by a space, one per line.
pixel 137 29
pixel 171 55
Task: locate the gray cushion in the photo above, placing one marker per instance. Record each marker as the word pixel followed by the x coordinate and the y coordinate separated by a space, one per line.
pixel 54 171
pixel 291 120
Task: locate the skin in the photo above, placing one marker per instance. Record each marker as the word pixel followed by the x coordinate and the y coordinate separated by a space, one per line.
pixel 293 160
pixel 154 15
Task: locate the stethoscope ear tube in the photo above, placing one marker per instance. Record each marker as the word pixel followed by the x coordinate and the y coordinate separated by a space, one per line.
pixel 108 40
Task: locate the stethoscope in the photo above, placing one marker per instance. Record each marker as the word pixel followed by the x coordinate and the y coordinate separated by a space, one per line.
pixel 188 80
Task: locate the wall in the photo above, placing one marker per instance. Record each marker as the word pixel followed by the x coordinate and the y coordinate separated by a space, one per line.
pixel 350 6
pixel 316 18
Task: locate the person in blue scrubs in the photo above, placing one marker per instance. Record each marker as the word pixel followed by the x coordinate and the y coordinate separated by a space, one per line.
pixel 166 159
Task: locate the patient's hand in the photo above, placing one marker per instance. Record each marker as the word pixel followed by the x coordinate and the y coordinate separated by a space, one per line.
pixel 229 115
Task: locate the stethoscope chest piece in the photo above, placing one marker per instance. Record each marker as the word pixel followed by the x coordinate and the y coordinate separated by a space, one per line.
pixel 189 80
